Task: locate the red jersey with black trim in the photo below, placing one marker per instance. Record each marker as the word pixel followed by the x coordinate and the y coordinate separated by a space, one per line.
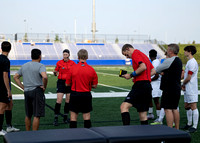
pixel 82 76
pixel 137 58
pixel 63 68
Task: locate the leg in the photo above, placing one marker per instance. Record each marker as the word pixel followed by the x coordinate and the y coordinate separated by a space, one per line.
pixel 169 117
pixel 2 110
pixel 28 123
pixel 150 112
pixel 87 121
pixel 195 114
pixel 125 106
pixel 36 123
pixel 176 118
pixel 8 114
pixel 73 119
pixel 189 115
pixel 66 108
pixel 143 118
pixel 57 108
pixel 156 102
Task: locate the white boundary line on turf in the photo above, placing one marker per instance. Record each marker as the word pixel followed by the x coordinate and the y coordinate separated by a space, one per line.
pixel 16 86
pixel 107 74
pixel 114 87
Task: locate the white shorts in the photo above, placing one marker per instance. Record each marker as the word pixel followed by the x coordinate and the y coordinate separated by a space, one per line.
pixel 156 92
pixel 190 98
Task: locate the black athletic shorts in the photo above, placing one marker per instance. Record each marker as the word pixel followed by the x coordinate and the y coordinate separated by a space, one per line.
pixel 80 102
pixel 170 99
pixel 35 102
pixel 4 96
pixel 140 96
pixel 62 88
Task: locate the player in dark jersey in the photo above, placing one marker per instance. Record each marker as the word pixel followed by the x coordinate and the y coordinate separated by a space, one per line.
pixel 6 103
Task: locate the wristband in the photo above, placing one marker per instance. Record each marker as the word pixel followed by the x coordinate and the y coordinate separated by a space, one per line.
pixel 133 74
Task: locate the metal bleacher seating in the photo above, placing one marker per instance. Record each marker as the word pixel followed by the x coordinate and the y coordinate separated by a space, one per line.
pixel 53 51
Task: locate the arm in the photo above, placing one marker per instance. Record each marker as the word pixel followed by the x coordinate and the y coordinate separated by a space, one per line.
pixel 44 79
pixel 17 80
pixel 94 86
pixel 6 82
pixel 153 72
pixel 142 67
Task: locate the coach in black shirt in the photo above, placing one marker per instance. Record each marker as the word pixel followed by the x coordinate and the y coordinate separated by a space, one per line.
pixel 171 85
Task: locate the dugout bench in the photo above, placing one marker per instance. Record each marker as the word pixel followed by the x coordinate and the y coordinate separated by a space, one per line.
pixel 108 134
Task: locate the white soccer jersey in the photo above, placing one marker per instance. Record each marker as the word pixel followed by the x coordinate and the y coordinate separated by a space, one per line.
pixel 191 88
pixel 156 92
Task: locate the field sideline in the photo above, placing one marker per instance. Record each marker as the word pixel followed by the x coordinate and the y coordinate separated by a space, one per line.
pixel 106 110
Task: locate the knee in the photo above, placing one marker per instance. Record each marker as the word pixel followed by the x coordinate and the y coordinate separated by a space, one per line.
pixel 59 101
pixel 123 108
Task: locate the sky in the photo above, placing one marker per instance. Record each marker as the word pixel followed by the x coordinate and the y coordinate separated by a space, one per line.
pixel 170 21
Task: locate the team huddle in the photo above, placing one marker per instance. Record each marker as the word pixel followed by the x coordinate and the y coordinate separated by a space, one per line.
pixel 152 80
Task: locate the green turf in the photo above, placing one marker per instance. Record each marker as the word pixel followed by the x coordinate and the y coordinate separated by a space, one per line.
pixel 106 111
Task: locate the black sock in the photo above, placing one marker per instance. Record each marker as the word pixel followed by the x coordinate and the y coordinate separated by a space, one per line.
pixel 1 121
pixel 144 122
pixel 87 124
pixel 126 118
pixel 57 108
pixel 73 124
pixel 66 108
pixel 8 115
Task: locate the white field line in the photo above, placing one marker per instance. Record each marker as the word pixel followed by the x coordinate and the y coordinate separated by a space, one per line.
pixel 17 86
pixel 107 74
pixel 114 87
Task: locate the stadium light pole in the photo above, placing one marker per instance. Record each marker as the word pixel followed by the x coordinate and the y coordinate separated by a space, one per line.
pixel 93 23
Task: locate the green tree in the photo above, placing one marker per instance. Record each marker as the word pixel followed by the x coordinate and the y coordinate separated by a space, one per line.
pixel 26 37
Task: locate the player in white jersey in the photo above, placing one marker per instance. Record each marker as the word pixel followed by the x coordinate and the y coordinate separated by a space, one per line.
pixel 155 83
pixel 190 87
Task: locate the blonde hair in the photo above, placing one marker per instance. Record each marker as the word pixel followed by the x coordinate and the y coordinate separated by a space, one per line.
pixel 82 54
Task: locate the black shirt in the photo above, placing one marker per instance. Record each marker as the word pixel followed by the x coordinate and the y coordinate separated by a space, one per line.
pixel 4 67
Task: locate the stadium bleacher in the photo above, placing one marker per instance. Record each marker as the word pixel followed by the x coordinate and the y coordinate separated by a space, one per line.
pixel 53 51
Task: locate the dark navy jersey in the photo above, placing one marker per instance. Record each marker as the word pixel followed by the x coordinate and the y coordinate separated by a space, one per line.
pixel 4 67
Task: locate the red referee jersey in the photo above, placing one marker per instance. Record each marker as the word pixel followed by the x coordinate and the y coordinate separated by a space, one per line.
pixel 137 58
pixel 82 77
pixel 63 68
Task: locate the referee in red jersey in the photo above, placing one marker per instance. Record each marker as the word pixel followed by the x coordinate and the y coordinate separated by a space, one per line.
pixel 62 71
pixel 82 79
pixel 140 95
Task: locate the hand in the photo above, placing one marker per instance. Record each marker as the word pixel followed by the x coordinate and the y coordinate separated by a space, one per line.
pixel 126 76
pixel 55 73
pixel 43 88
pixel 183 87
pixel 9 94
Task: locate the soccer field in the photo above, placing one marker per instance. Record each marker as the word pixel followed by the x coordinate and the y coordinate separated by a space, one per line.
pixel 106 110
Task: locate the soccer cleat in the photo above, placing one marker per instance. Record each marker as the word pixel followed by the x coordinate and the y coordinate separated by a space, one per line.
pixel 192 130
pixel 12 129
pixel 2 132
pixel 66 120
pixel 186 127
pixel 156 123
pixel 150 116
pixel 55 123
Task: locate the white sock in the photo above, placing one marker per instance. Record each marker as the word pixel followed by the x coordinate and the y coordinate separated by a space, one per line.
pixel 189 117
pixel 195 118
pixel 150 110
pixel 162 115
pixel 158 113
pixel 178 108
